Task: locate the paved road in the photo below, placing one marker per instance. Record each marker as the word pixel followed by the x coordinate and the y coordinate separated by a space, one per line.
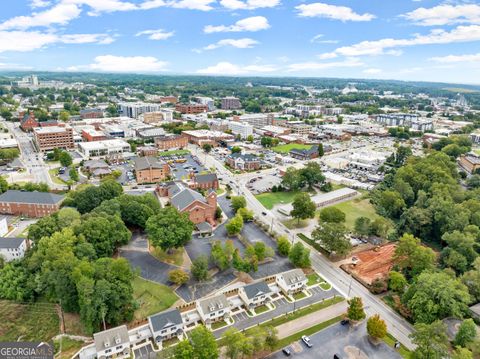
pixel 344 283
pixel 339 339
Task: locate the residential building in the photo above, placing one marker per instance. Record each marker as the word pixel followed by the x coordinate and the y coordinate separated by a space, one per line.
pixel 213 309
pixel 28 122
pixel 135 109
pixel 292 281
pixel 90 134
pixel 470 162
pixel 255 294
pixel 207 101
pixel 166 324
pixel 3 226
pixel 412 121
pixel 230 103
pixel 150 170
pixel 104 148
pixel 243 162
pixel 257 120
pixel 242 129
pixel 305 154
pixel 299 127
pixel 49 138
pixel 204 181
pixel 164 115
pixel 29 204
pixel 112 343
pixel 91 113
pixel 168 142
pixel 191 108
pixel 12 248
pixel 201 137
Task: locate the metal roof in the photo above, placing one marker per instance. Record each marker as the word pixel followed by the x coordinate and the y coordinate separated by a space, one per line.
pixel 9 242
pixel 255 289
pixel 165 319
pixel 35 197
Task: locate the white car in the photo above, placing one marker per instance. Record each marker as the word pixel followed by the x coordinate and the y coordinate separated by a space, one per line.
pixel 306 340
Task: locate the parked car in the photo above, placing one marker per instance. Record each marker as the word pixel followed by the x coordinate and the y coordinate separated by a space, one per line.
pixel 344 322
pixel 264 213
pixel 337 356
pixel 286 351
pixel 306 340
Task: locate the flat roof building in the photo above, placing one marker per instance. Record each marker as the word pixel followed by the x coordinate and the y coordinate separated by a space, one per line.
pixel 51 137
pixel 104 148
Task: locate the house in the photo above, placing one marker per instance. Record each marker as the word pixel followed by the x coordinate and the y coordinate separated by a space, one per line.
pixel 305 154
pixel 243 162
pixel 97 168
pixel 150 170
pixel 28 122
pixel 3 226
pixel 29 204
pixel 166 324
pixel 255 294
pixel 292 281
pixel 204 181
pixel 199 208
pixel 112 343
pixel 12 248
pixel 469 162
pixel 213 309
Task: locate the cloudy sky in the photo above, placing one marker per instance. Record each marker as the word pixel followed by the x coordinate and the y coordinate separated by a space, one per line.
pixel 386 39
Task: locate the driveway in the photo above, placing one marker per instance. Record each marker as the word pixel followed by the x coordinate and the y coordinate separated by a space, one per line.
pixel 344 340
pixel 145 352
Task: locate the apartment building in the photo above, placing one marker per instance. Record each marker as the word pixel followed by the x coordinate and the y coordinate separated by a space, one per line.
pixel 135 109
pixel 158 116
pixel 214 308
pixel 242 129
pixel 469 162
pixel 230 103
pixel 255 294
pixel 208 101
pixel 292 281
pixel 12 248
pixel 169 142
pixel 91 113
pixel 191 108
pixel 257 120
pixel 165 325
pixel 51 137
pixel 112 343
pixel 29 204
pixel 299 127
pixel 150 170
pixel 410 120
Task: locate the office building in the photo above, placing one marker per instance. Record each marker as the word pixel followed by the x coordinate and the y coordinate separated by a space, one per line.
pixel 150 170
pixel 230 103
pixel 135 109
pixel 169 142
pixel 104 148
pixel 242 129
pixel 29 204
pixel 51 137
pixel 191 108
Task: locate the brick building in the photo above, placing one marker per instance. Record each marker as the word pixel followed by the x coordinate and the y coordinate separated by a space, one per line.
pixel 147 151
pixel 243 162
pixel 28 121
pixel 150 170
pixel 89 135
pixel 204 181
pixel 91 113
pixel 469 162
pixel 230 103
pixel 191 108
pixel 168 142
pixel 29 204
pixel 49 138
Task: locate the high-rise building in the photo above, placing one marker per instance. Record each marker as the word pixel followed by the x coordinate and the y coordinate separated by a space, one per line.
pixel 231 103
pixel 243 129
pixel 51 137
pixel 135 109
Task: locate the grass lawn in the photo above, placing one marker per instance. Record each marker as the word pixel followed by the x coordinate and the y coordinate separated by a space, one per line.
pixel 355 208
pixel 261 309
pixel 299 295
pixel 68 346
pixel 220 191
pixel 390 341
pixel 54 176
pixel 176 257
pixel 270 199
pixel 169 342
pixel 325 286
pixel 290 146
pixel 313 278
pixel 28 322
pixel 151 297
pixel 174 153
pixel 295 224
pixel 219 324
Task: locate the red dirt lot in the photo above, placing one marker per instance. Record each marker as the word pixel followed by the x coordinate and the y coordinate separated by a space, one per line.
pixel 373 264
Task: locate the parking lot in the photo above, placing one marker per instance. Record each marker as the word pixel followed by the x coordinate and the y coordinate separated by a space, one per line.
pixel 263 183
pixel 181 170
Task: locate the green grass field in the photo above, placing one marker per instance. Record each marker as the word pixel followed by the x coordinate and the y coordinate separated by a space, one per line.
pixel 28 322
pixel 68 346
pixel 174 153
pixel 270 199
pixel 355 208
pixel 176 257
pixel 290 146
pixel 151 298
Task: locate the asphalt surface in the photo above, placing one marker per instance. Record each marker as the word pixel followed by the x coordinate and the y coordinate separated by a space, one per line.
pixel 339 339
pixel 179 171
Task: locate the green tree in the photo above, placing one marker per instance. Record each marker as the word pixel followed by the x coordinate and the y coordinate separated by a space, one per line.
pixel 234 226
pixel 391 204
pixel 238 202
pixel 236 149
pixel 271 338
pixel 332 215
pixel 199 268
pixel 362 226
pixel 178 276
pixel 203 343
pixel 3 185
pixel 466 334
pixel 303 207
pixel 283 246
pixel 299 256
pixel 169 229
pixel 16 282
pixel 312 174
pixel 413 258
pixel 250 138
pixel 73 174
pixel 262 251
pixel 246 214
pixel 221 256
pixel 207 147
pixel 235 343
pixel 292 180
pixel 332 237
pixel 321 152
pixel 462 353
pixel 355 310
pixel 65 159
pixel 397 281
pixel 376 327
pixel 184 350
pixel 431 340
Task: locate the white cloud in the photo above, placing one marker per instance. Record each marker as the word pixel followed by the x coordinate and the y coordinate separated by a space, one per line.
pixel 159 34
pixel 135 64
pixel 102 39
pixel 445 15
pixel 315 66
pixel 244 43
pixel 390 46
pixel 10 66
pixel 372 71
pixel 318 39
pixel 203 5
pixel 457 58
pixel 39 3
pixel 327 56
pixel 248 4
pixel 227 68
pixel 341 13
pixel 254 23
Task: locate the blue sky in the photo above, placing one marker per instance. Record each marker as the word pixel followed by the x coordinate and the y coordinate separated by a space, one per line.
pixel 386 39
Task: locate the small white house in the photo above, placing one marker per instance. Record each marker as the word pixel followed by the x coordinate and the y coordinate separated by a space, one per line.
pixel 112 343
pixel 255 294
pixel 12 248
pixel 292 281
pixel 214 308
pixel 166 324
pixel 3 226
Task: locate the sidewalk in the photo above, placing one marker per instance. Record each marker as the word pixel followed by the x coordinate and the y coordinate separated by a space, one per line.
pixel 297 325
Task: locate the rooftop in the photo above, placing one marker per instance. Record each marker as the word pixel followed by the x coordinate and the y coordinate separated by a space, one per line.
pixel 17 196
pixel 9 242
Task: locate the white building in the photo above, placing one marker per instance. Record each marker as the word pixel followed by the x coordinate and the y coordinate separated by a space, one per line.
pixel 213 309
pixel 240 128
pixel 12 248
pixel 410 120
pixel 255 294
pixel 3 226
pixel 103 148
pixel 135 109
pixel 112 343
pixel 208 101
pixel 166 324
pixel 257 120
pixel 292 281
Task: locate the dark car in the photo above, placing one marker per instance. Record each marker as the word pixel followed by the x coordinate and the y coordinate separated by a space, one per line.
pixel 286 351
pixel 344 322
pixel 337 356
pixel 264 213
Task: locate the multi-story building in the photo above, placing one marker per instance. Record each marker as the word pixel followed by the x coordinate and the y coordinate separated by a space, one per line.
pixel 91 113
pixel 12 248
pixel 147 151
pixel 469 162
pixel 112 343
pixel 292 281
pixel 255 294
pixel 201 137
pixel 90 134
pixel 213 309
pixel 299 127
pixel 230 103
pixel 164 115
pixel 169 99
pixel 151 133
pixel 166 325
pixel 51 137
pixel 208 101
pixel 191 108
pixel 150 170
pixel 29 204
pixel 410 120
pixel 169 142
pixel 28 121
pixel 135 109
pixel 257 120
pixel 243 162
pixel 242 129
pixel 104 148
